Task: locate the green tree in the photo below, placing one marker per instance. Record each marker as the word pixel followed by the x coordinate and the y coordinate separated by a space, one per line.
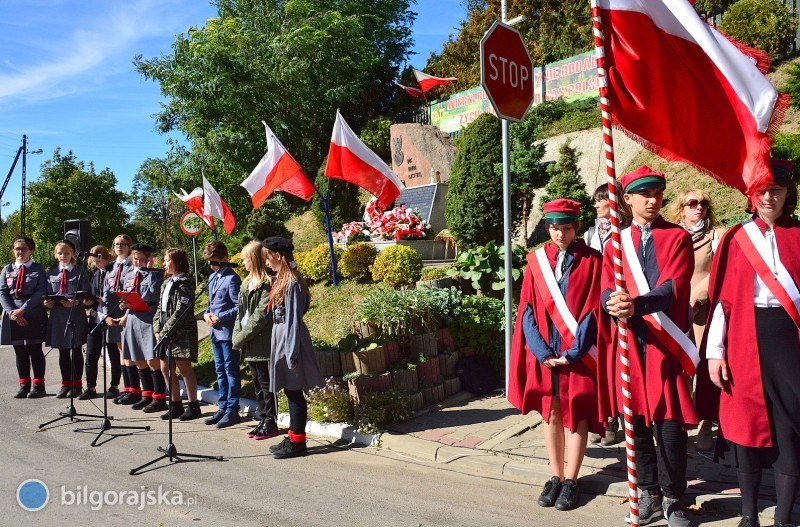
pixel 343 201
pixel 270 219
pixel 767 25
pixel 792 85
pixel 290 62
pixel 527 172
pixel 376 135
pixel 474 208
pixel 565 182
pixel 68 189
pixel 157 211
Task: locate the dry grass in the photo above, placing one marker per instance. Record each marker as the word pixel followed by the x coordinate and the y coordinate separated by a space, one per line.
pixel 307 231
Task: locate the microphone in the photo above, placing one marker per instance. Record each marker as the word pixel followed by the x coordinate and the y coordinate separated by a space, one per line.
pixel 86 254
pixel 151 269
pixel 222 264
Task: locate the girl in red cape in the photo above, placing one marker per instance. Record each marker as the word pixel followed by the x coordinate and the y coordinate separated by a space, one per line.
pixel 552 367
pixel 753 348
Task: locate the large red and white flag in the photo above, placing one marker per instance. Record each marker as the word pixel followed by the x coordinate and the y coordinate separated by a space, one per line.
pixel 687 93
pixel 350 160
pixel 414 92
pixel 277 170
pixel 427 82
pixel 215 207
pixel 194 201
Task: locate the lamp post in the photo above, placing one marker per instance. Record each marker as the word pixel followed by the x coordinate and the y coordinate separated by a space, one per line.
pixel 25 153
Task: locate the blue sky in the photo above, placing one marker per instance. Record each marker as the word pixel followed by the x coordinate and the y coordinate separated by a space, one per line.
pixel 67 77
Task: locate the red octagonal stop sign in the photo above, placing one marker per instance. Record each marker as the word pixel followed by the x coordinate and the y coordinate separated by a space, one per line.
pixel 506 71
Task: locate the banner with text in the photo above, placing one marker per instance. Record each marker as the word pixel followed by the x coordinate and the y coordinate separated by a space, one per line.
pixel 572 79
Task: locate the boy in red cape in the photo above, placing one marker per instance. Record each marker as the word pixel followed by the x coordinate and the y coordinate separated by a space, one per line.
pixel 553 357
pixel 658 262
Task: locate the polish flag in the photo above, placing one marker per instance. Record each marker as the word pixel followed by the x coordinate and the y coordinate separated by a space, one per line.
pixel 427 82
pixel 414 92
pixel 194 201
pixel 350 159
pixel 215 207
pixel 687 93
pixel 277 170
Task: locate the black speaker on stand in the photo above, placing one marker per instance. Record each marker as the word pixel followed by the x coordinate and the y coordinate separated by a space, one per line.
pixel 78 232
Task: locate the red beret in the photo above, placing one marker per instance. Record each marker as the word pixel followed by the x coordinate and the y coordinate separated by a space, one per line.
pixel 642 178
pixel 561 211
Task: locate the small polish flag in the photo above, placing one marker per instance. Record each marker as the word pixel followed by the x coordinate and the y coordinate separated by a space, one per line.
pixel 214 206
pixel 277 170
pixel 350 160
pixel 427 82
pixel 194 201
pixel 414 92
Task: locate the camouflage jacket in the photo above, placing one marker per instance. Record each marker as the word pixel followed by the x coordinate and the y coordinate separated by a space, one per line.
pixel 181 296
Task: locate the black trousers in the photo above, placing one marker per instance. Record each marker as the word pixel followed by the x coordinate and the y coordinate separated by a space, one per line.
pixel 664 466
pixel 298 411
pixel 93 354
pixel 67 360
pixel 30 355
pixel 267 402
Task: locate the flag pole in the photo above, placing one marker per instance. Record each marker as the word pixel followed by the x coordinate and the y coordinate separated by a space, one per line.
pixel 619 280
pixel 326 207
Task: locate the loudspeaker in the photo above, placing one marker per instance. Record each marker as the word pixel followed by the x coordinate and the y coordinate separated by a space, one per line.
pixel 78 232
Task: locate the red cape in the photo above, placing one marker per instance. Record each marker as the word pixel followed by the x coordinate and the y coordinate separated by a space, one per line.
pixel 742 412
pixel 530 384
pixel 659 389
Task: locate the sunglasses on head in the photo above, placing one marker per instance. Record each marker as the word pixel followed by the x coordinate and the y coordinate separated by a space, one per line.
pixel 693 203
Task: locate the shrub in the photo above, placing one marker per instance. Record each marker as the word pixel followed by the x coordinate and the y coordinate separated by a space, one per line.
pixel 767 25
pixel 474 207
pixel 330 404
pixel 480 325
pixel 434 273
pixel 787 146
pixel 397 265
pixel 376 411
pixel 565 182
pixel 792 85
pixel 240 270
pixel 485 267
pixel 357 261
pixel 315 264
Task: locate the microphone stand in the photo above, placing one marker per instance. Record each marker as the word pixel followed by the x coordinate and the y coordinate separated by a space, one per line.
pixel 71 413
pixel 170 451
pixel 105 424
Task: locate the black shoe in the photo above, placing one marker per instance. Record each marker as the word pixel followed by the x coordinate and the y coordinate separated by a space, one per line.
pixel 283 444
pixel 63 393
pixel 748 521
pixel 256 429
pixel 75 392
pixel 214 419
pixel 269 428
pixel 130 398
pixel 120 397
pixel 158 405
pixel 229 419
pixel 177 411
pixel 192 412
pixel 649 508
pixel 550 492
pixel 293 449
pixel 24 390
pixel 112 392
pixel 37 391
pixel 88 393
pixel 141 404
pixel 569 496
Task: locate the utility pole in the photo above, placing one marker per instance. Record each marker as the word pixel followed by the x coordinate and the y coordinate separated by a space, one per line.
pixel 24 186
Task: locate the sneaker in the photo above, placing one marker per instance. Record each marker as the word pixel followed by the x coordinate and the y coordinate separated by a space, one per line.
pixel 88 393
pixel 229 419
pixel 594 438
pixel 550 492
pixel 674 513
pixel 268 429
pixel 177 411
pixel 256 429
pixel 141 404
pixel 748 521
pixel 569 496
pixel 292 449
pixel 24 390
pixel 37 391
pixel 214 419
pixel 192 412
pixel 157 405
pixel 649 508
pixel 130 398
pixel 63 393
pixel 282 444
pixel 112 392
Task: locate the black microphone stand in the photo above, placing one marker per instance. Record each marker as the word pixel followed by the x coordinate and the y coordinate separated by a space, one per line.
pixel 105 424
pixel 71 413
pixel 170 451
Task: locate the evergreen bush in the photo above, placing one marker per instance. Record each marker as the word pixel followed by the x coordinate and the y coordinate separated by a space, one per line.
pixel 397 266
pixel 357 261
pixel 767 25
pixel 565 182
pixel 315 264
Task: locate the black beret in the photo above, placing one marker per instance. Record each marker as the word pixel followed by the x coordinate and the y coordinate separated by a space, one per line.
pixel 142 247
pixel 68 243
pixel 277 244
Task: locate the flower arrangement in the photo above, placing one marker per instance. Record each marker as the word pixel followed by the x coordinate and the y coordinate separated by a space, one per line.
pixel 397 224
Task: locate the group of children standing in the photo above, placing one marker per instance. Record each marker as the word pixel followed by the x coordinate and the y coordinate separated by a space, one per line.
pixel 566 361
pixel 132 307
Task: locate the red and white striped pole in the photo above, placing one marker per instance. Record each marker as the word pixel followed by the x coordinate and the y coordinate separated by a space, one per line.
pixel 619 280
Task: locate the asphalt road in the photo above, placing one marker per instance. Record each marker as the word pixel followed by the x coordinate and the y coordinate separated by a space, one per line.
pixel 337 485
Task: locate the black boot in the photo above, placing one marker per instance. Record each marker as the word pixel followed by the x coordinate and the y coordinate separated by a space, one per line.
pixel 24 390
pixel 141 404
pixel 177 411
pixel 158 405
pixel 88 393
pixel 37 391
pixel 192 411
pixel 292 449
pixel 63 393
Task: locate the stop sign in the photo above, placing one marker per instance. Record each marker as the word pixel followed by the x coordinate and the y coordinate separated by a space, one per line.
pixel 506 71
